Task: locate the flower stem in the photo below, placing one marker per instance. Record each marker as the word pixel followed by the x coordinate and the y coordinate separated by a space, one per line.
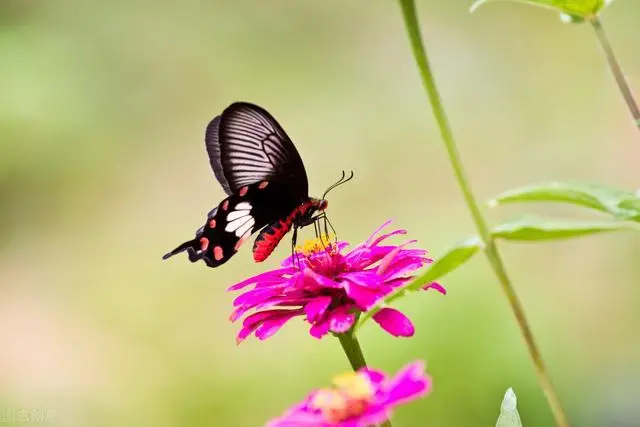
pixel 623 85
pixel 490 249
pixel 352 349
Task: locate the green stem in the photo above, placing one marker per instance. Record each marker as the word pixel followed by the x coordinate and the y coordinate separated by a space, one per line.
pixel 490 248
pixel 617 72
pixel 352 349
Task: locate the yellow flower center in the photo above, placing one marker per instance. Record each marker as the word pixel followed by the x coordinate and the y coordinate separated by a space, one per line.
pixel 318 244
pixel 350 397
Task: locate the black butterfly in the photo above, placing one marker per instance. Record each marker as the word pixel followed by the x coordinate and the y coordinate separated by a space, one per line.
pixel 259 168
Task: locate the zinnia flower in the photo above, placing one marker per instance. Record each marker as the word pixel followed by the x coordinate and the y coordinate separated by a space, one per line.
pixel 358 399
pixel 329 287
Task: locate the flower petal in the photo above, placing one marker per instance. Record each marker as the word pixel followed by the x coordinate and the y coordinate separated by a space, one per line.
pixel 319 329
pixel 410 383
pixel 262 316
pixel 256 296
pixel 267 275
pixel 394 322
pixel 341 319
pixel 316 308
pixel 387 235
pixel 436 287
pixel 320 280
pixel 273 325
pixel 375 233
pixel 363 296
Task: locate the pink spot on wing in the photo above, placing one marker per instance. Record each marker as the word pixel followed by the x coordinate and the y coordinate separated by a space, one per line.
pixel 217 253
pixel 243 191
pixel 204 243
pixel 225 205
pixel 212 223
pixel 263 184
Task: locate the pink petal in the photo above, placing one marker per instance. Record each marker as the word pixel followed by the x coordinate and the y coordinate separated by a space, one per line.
pixel 436 287
pixel 375 377
pixel 364 297
pixel 320 280
pixel 316 308
pixel 400 268
pixel 408 384
pixel 320 329
pixel 367 279
pixel 268 275
pixel 256 296
pixel 386 261
pixel 341 320
pixel 386 236
pixel 261 316
pixel 273 325
pixel 379 229
pixel 394 322
pixel 359 258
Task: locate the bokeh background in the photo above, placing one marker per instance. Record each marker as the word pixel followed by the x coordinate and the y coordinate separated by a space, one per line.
pixel 102 170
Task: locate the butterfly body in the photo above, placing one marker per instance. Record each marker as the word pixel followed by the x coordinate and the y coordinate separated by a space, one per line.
pixel 263 175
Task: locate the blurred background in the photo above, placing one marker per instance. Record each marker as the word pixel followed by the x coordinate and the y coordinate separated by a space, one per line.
pixel 103 169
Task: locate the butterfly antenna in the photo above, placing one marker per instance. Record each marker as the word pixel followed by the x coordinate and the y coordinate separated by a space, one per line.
pixel 341 181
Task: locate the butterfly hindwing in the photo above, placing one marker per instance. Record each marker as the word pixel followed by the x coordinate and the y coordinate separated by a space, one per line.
pixel 234 220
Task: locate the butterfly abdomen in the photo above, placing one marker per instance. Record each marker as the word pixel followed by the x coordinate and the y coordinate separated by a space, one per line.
pixel 268 239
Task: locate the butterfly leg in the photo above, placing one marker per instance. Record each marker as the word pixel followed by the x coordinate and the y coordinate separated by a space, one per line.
pixel 294 242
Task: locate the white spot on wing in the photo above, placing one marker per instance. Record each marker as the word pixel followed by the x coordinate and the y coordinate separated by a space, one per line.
pixel 241 225
pixel 242 209
pixel 236 214
pixel 246 227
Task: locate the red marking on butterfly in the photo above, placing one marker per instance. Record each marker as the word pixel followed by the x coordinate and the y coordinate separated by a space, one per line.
pixel 243 191
pixel 204 243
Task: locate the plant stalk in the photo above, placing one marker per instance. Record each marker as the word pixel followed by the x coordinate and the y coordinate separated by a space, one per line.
pixel 490 248
pixel 616 70
pixel 352 349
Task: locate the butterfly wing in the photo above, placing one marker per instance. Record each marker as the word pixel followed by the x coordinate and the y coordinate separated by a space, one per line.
pixel 246 145
pixel 234 220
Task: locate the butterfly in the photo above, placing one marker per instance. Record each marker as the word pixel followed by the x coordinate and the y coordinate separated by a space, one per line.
pixel 262 173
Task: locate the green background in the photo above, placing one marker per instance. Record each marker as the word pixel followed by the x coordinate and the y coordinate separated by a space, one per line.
pixel 102 170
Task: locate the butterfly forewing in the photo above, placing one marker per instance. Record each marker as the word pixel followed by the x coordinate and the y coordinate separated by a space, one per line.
pixel 246 145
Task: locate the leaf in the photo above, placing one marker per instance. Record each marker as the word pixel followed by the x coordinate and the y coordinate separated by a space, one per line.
pixel 622 204
pixel 509 416
pixel 581 8
pixel 443 265
pixel 533 228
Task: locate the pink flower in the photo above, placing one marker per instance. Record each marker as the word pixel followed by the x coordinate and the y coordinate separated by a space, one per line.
pixel 358 399
pixel 330 288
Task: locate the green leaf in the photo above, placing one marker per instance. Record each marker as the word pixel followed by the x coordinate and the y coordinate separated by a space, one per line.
pixel 621 204
pixel 581 8
pixel 533 228
pixel 509 416
pixel 443 265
